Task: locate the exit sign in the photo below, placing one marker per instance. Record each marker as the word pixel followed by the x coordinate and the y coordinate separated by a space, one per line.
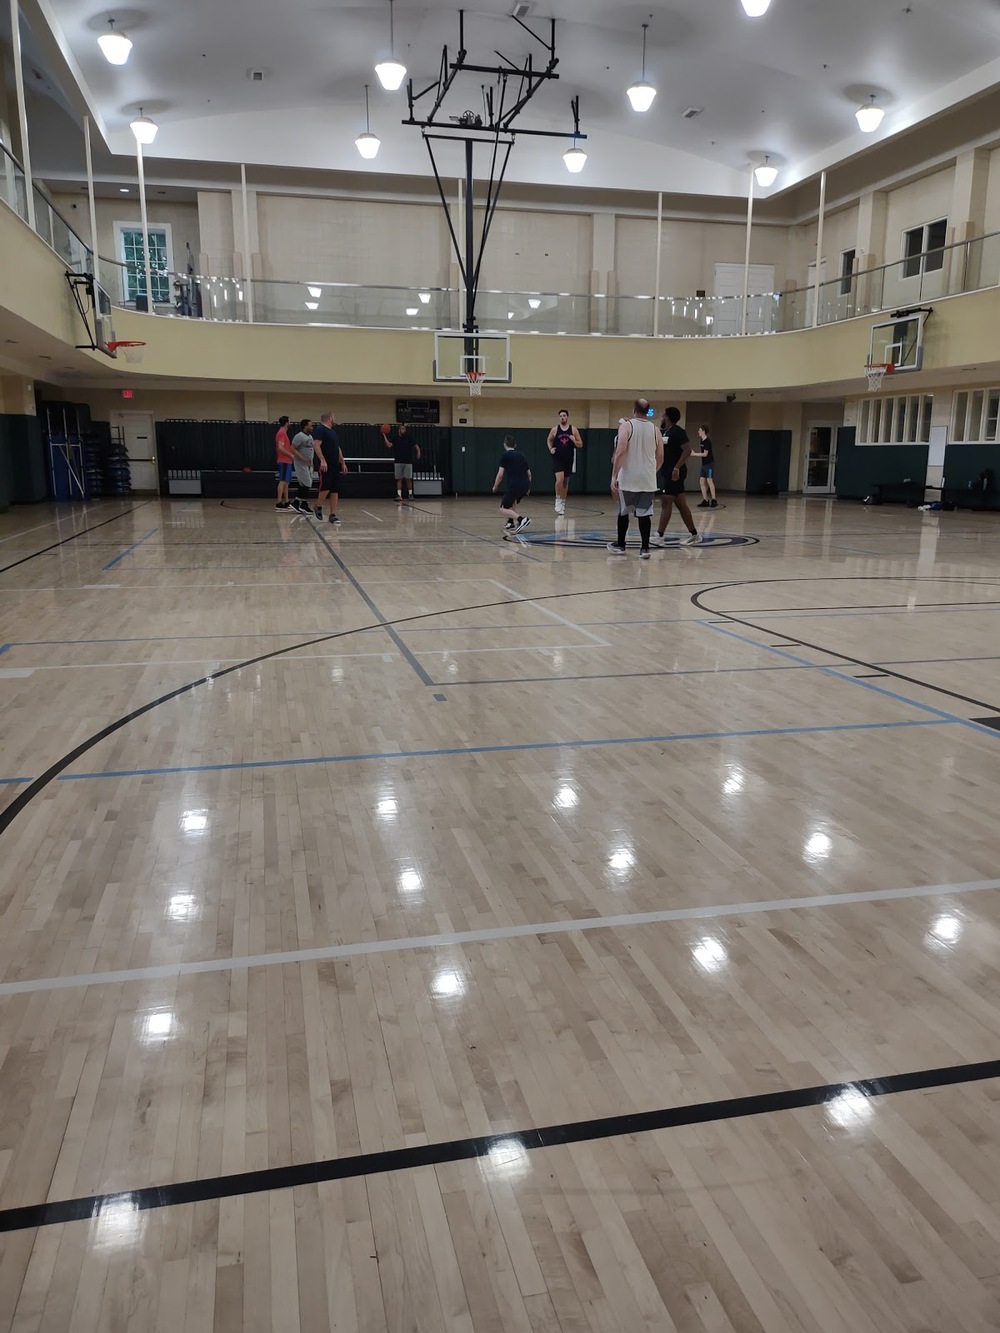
pixel 127 393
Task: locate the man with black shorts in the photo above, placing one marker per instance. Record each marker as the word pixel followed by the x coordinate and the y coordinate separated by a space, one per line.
pixel 404 450
pixel 514 475
pixel 563 442
pixel 676 452
pixel 330 461
pixel 638 457
pixel 707 478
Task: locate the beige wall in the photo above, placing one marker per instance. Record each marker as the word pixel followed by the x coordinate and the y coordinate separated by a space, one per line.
pixel 350 240
pixel 911 205
pixel 538 251
pixel 688 255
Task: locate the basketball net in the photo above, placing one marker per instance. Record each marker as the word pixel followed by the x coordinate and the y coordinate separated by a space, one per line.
pixel 876 373
pixel 475 378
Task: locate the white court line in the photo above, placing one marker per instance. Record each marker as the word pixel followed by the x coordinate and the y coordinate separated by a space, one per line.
pixel 546 611
pixel 374 516
pixel 168 970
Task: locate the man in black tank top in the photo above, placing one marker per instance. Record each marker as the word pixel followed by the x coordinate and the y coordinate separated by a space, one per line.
pixel 563 442
pixel 676 452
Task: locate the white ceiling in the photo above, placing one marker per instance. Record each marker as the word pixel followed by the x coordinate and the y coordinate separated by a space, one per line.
pixel 786 84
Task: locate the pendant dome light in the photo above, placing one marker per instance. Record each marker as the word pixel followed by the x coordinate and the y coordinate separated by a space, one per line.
pixel 115 45
pixel 869 116
pixel 144 129
pixel 755 9
pixel 391 72
pixel 368 144
pixel 765 174
pixel 641 94
pixel 574 157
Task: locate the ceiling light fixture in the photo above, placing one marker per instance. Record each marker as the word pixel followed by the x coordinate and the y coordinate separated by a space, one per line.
pixel 115 45
pixel 869 116
pixel 765 174
pixel 425 298
pixel 574 157
pixel 641 94
pixel 755 9
pixel 368 144
pixel 391 72
pixel 144 129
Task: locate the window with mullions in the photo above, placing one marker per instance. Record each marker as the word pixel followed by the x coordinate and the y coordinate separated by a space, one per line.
pixel 975 416
pixel 134 259
pixel 847 259
pixel 923 248
pixel 902 419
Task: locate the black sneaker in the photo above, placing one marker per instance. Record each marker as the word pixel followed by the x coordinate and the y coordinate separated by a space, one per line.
pixel 522 523
pixel 510 525
pixel 279 505
pixel 318 511
pixel 335 520
pixel 714 504
pixel 704 505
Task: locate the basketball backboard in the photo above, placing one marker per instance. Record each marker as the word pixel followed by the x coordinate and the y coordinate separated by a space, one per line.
pixel 899 342
pixel 455 354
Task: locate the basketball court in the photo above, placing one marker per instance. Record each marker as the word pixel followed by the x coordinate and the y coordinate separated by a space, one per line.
pixel 407 928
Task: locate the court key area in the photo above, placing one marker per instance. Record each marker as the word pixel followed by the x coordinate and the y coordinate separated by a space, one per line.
pixel 405 928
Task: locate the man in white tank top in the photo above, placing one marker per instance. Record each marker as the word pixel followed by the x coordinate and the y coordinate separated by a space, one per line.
pixel 638 457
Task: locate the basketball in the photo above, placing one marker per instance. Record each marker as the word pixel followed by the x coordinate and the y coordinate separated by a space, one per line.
pixel 248 468
pixel 385 428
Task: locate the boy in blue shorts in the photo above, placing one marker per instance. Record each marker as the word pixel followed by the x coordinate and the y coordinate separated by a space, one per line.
pixel 514 475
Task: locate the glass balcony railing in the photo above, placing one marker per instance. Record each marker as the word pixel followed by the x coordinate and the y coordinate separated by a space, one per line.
pixel 966 266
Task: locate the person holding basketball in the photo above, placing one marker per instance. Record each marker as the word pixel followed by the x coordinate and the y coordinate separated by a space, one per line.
pixel 676 452
pixel 404 451
pixel 563 442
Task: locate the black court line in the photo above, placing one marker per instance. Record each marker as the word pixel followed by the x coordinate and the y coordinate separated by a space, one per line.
pixel 35 788
pixel 82 533
pixel 993 722
pixel 872 675
pixel 470 1149
pixel 735 619
pixel 408 656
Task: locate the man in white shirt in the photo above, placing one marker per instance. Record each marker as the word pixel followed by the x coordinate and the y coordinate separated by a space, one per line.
pixel 638 457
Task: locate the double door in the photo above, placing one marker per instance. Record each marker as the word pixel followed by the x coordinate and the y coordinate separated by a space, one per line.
pixel 821 459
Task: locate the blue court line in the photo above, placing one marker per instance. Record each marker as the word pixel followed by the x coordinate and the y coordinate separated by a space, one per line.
pixel 111 563
pixel 842 673
pixel 453 751
pixel 4 647
pixel 421 673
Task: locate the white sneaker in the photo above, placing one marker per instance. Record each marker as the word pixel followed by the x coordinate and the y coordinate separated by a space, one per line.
pixel 645 554
pixel 692 539
pixel 522 523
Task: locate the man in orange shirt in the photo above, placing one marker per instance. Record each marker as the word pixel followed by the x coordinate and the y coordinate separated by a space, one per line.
pixel 285 461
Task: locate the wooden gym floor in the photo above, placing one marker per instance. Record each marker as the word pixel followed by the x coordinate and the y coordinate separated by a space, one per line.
pixel 406 929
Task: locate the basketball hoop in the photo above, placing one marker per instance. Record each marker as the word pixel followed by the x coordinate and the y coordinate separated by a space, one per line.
pixel 475 378
pixel 875 372
pixel 132 350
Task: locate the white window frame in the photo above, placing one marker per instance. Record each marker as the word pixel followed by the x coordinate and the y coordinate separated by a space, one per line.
pixel 847 274
pixel 909 425
pixel 921 256
pixel 120 228
pixel 972 426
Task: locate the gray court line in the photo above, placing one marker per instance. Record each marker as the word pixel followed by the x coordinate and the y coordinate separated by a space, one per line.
pixel 527 930
pixel 563 620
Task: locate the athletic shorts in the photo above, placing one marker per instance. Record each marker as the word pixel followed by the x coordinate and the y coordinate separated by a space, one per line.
pixel 707 471
pixel 639 503
pixel 330 481
pixel 303 474
pixel 404 471
pixel 671 487
pixel 563 460
pixel 285 471
pixel 511 498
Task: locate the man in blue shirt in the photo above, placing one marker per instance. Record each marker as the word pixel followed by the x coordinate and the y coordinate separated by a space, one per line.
pixel 330 460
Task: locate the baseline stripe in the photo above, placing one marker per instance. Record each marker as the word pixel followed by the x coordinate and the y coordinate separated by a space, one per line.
pixel 463 1150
